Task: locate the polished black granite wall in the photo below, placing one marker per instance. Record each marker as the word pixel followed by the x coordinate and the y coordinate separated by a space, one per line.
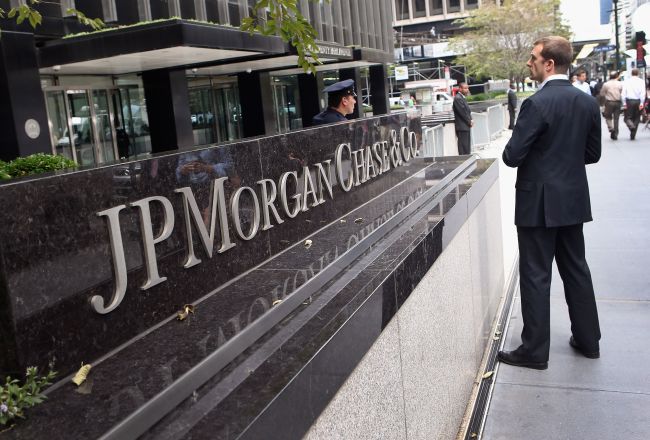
pixel 210 376
pixel 56 252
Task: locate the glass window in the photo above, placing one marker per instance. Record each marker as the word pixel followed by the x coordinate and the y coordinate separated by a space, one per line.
pixel 202 115
pixel 233 12
pixel 131 106
pixel 82 136
pixel 159 9
pixel 251 3
pixel 420 8
pixel 61 144
pixel 286 97
pixel 212 11
pixel 312 15
pixel 453 5
pixel 324 24
pixel 228 113
pixel 105 150
pixel 402 9
pixel 435 7
pixel 471 4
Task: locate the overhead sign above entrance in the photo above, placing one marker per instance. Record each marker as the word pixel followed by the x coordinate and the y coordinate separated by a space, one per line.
pixel 334 51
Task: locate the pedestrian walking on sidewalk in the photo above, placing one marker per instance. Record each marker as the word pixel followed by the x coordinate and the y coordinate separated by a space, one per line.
pixel 611 92
pixel 581 82
pixel 512 105
pixel 463 122
pixel 556 135
pixel 633 94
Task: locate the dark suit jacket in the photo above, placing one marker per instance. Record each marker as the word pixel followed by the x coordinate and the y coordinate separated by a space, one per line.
pixel 462 113
pixel 557 133
pixel 512 99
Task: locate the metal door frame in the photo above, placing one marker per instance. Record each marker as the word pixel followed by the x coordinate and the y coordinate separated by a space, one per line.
pixel 93 117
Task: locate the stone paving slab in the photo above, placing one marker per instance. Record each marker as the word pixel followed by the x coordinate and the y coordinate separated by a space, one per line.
pixel 579 398
pixel 540 413
pixel 623 367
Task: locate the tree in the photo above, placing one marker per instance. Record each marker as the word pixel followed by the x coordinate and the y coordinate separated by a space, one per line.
pixel 28 12
pixel 499 39
pixel 284 19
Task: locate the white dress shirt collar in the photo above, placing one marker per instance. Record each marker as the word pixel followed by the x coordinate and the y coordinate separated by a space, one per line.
pixel 551 78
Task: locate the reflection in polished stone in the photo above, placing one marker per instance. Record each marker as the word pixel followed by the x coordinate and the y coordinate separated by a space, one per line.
pixel 304 296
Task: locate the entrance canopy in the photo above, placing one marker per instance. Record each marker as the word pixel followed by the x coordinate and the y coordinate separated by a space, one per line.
pixel 176 43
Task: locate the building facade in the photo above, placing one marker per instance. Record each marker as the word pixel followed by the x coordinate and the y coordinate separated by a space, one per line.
pixel 169 74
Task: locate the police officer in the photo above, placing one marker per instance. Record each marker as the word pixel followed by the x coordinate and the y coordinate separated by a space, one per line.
pixel 341 99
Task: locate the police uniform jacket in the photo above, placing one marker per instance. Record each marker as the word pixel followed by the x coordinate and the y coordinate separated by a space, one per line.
pixel 328 116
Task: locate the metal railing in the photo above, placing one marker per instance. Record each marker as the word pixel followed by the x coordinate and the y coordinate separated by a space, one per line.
pixel 433 141
pixel 488 125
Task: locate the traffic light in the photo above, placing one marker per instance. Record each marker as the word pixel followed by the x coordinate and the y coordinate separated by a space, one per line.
pixel 640 51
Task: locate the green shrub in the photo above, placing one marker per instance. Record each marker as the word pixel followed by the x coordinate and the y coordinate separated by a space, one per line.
pixel 486 96
pixel 4 175
pixel 15 398
pixel 36 164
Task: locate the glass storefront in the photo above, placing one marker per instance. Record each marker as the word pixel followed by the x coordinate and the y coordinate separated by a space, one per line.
pixel 214 110
pixel 286 101
pixel 97 124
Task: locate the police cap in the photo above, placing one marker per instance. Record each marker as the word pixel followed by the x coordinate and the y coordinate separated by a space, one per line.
pixel 345 87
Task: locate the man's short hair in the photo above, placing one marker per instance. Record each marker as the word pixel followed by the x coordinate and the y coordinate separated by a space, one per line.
pixel 334 99
pixel 613 75
pixel 635 72
pixel 558 49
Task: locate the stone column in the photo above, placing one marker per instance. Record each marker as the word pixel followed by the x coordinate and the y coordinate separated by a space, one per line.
pixel 256 100
pixel 23 117
pixel 309 98
pixel 168 108
pixel 378 75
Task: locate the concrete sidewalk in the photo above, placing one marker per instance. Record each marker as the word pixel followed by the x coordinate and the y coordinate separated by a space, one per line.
pixel 579 398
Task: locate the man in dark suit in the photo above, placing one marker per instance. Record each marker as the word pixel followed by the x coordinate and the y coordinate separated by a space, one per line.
pixel 512 105
pixel 341 99
pixel 556 135
pixel 462 119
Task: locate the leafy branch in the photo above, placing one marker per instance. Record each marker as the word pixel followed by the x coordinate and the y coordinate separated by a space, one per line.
pixel 28 12
pixel 94 23
pixel 15 398
pixel 284 19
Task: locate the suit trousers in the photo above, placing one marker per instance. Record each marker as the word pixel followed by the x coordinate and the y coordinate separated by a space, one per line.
pixel 464 142
pixel 511 112
pixel 612 114
pixel 632 114
pixel 537 248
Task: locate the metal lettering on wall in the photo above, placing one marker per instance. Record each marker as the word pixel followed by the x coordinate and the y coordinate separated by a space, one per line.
pixel 365 164
pixel 338 51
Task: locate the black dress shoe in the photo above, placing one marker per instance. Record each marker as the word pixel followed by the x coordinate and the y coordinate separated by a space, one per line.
pixel 588 354
pixel 613 136
pixel 518 360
